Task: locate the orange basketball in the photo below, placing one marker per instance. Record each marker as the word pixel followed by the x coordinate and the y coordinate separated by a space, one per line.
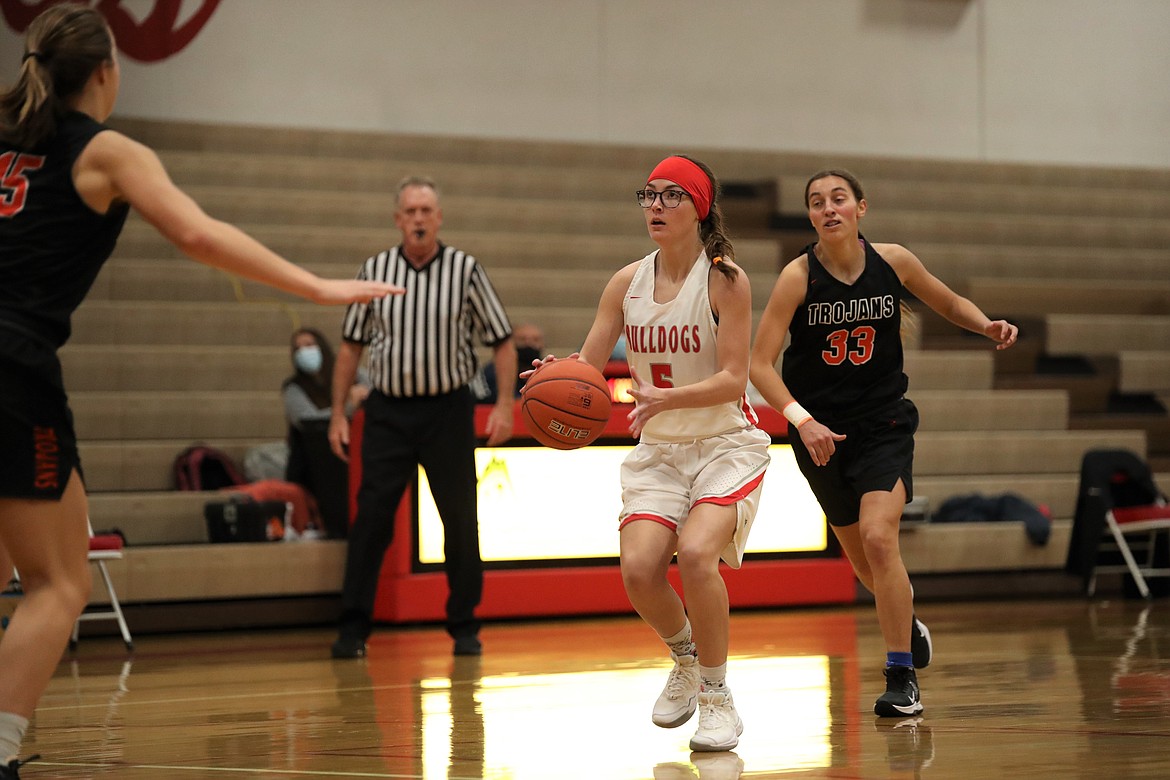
pixel 565 404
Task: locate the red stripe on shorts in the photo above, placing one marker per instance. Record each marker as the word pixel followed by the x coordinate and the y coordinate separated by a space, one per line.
pixel 647 516
pixel 738 495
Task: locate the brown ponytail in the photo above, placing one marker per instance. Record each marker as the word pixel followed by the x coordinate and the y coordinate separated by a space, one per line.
pixel 712 231
pixel 63 47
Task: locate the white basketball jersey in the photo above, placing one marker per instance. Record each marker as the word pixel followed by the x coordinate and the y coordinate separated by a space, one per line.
pixel 673 345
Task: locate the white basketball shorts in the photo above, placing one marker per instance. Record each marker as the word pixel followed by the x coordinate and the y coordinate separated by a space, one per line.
pixel 662 482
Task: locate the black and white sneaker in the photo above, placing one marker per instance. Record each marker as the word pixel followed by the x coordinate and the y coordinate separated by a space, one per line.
pixel 920 645
pixel 902 697
pixel 9 771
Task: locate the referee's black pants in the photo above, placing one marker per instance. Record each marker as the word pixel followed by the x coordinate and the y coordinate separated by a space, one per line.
pixel 400 434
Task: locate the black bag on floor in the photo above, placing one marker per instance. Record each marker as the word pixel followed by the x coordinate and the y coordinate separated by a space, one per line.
pixel 240 519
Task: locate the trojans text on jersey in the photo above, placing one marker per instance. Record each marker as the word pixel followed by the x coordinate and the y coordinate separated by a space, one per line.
pixel 838 312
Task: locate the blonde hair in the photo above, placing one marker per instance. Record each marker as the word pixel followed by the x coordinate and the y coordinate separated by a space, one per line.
pixel 63 47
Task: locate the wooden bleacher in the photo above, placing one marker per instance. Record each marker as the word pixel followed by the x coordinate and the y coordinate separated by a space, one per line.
pixel 165 353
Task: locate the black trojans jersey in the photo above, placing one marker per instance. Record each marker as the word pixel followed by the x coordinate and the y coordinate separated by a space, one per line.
pixel 845 357
pixel 52 245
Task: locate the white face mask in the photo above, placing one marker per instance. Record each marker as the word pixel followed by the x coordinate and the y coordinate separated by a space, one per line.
pixel 308 359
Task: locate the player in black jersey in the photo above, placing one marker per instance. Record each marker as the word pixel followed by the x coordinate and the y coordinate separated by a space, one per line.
pixel 851 428
pixel 66 186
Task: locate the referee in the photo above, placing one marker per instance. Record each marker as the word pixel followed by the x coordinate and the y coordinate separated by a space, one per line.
pixel 420 410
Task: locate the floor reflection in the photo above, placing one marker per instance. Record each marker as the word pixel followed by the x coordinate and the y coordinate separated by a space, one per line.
pixel 703 766
pixel 1067 689
pixel 909 745
pixel 1121 658
pixel 528 723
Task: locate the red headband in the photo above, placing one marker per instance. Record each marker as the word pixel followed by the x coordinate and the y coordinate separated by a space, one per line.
pixel 690 177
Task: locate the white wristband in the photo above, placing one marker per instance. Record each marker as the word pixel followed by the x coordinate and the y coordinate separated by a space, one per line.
pixel 796 414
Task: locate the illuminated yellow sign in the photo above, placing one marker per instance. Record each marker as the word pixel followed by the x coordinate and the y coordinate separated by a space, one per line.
pixel 540 504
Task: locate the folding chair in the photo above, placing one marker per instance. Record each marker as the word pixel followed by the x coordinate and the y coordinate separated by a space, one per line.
pixel 1136 528
pixel 102 548
pixel 1120 512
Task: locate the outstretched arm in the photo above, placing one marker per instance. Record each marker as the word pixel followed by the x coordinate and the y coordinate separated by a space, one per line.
pixel 942 299
pixel 115 168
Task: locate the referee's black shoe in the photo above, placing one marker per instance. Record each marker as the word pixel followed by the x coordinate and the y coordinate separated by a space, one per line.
pixel 902 697
pixel 468 645
pixel 349 647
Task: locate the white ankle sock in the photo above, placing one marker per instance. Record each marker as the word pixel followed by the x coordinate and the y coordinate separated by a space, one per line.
pixel 714 677
pixel 12 728
pixel 681 643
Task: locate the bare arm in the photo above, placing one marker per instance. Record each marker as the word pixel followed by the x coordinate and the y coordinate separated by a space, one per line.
pixel 345 369
pixel 503 417
pixel 942 299
pixel 787 295
pixel 114 168
pixel 609 321
pixel 772 331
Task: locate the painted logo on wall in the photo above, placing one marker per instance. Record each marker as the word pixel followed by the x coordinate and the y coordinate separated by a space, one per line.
pixel 151 37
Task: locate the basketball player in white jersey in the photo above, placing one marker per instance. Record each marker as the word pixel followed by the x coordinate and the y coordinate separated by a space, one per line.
pixel 692 484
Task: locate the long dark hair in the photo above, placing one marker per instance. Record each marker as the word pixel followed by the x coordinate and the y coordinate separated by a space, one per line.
pixel 712 230
pixel 63 47
pixel 319 386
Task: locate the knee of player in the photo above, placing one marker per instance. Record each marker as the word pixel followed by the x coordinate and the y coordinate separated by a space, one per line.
pixel 639 572
pixel 69 590
pixel 881 549
pixel 696 559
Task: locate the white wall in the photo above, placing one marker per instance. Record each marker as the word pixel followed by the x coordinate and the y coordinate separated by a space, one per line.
pixel 1073 81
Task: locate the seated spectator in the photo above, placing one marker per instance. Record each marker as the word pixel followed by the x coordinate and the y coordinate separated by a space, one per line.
pixel 529 339
pixel 308 395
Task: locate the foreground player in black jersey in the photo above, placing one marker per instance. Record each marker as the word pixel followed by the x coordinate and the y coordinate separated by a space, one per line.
pixel 842 391
pixel 66 186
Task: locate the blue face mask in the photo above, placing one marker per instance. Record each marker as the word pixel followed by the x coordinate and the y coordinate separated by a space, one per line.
pixel 308 359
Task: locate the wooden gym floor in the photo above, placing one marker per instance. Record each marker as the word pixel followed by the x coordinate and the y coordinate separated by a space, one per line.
pixel 1064 688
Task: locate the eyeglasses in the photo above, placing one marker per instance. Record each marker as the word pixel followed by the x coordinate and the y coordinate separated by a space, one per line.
pixel 670 198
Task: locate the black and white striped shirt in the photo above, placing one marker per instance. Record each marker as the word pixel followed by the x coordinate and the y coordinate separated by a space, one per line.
pixel 423 342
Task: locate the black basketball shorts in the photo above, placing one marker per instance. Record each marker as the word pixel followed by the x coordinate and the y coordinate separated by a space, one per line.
pixel 878 450
pixel 38 448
